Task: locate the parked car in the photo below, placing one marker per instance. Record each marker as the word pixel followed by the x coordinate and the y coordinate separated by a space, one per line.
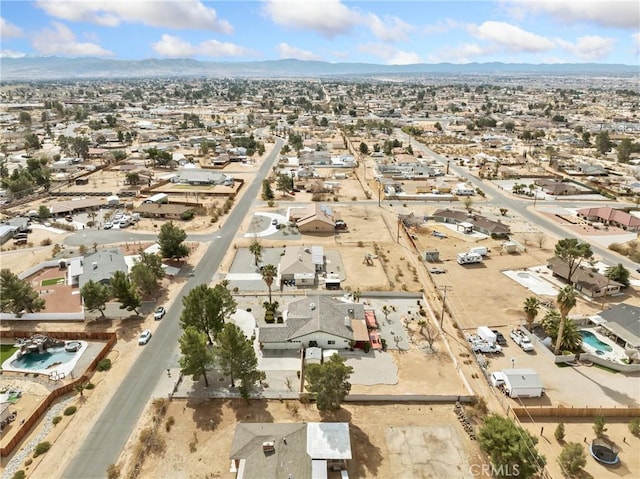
pixel 108 225
pixel 500 339
pixel 439 235
pixel 274 222
pixel 159 312
pixel 144 338
pixel 69 218
pixel 437 270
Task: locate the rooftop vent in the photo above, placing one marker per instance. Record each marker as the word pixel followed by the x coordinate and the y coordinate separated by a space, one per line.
pixel 312 306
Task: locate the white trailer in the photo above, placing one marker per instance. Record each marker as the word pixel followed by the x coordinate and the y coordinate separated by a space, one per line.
pixel 158 198
pixel 469 258
pixel 481 250
pixel 522 383
pixel 487 335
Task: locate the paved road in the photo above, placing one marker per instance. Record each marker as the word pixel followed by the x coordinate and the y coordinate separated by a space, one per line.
pixel 110 433
pixel 520 207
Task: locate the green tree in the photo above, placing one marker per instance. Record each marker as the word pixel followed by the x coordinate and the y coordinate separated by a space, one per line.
pixel 95 296
pixel 572 252
pixel 599 423
pixel 566 300
pixel 571 337
pixel 125 292
pixel 43 212
pixel 531 308
pixel 284 183
pixel 17 296
pixel 634 426
pixel 80 146
pixel 133 178
pixel 32 142
pixel 510 447
pixel 364 149
pixel 269 273
pixel 24 118
pixel 329 382
pixel 267 192
pixel 196 357
pixel 559 432
pixel 572 458
pixel 603 143
pixel 171 240
pixel 235 355
pixel 206 309
pixel 147 272
pixel 256 250
pixel 618 273
pixel 625 147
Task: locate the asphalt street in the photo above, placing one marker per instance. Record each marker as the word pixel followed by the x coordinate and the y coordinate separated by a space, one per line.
pixel 111 431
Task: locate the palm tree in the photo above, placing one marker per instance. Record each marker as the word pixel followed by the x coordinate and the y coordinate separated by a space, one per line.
pixel 531 307
pixel 566 300
pixel 256 251
pixel 571 337
pixel 269 273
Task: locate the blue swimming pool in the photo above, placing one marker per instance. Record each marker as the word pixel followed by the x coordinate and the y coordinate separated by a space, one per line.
pixel 37 361
pixel 593 341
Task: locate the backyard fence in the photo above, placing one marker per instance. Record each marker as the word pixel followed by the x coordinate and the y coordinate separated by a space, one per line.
pixel 547 411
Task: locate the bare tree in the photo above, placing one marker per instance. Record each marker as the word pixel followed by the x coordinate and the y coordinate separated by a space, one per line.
pixel 540 239
pixel 429 333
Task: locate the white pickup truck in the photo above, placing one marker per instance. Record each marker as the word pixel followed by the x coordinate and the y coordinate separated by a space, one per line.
pixel 521 340
pixel 485 347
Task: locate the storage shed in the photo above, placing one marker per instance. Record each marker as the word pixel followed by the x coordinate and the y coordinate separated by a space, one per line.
pixel 523 382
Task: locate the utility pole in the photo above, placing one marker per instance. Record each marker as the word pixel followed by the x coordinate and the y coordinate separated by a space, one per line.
pixel 444 303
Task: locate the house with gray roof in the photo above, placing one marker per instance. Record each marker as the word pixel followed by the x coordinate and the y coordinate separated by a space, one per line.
pixel 316 321
pixel 290 450
pixel 197 176
pixel 98 267
pixel 622 321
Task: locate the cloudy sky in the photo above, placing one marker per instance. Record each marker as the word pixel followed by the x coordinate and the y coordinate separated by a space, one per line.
pixel 385 32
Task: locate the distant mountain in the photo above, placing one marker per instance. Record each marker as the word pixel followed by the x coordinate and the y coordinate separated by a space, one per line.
pixel 58 68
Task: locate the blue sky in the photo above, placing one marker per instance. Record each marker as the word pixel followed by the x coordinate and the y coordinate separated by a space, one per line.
pixel 384 32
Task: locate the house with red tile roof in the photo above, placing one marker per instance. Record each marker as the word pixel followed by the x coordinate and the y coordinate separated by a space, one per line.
pixel 610 216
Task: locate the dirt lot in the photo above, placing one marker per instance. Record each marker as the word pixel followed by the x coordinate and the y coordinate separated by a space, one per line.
pixel 198 444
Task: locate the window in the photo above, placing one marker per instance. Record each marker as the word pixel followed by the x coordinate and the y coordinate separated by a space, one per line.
pixel 331 342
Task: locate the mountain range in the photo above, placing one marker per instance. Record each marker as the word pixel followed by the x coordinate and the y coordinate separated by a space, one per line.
pixel 60 68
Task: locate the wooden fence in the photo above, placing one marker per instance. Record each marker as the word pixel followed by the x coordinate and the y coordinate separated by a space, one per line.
pixel 35 416
pixel 546 411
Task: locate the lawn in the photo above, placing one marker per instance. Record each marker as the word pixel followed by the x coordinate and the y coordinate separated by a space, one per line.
pixel 52 281
pixel 6 350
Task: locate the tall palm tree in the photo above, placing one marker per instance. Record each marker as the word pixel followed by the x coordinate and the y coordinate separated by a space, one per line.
pixel 566 300
pixel 269 273
pixel 256 250
pixel 531 307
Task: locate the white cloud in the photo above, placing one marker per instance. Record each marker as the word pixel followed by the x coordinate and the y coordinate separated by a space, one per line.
pixel 510 38
pixel 591 47
pixel 9 30
pixel 170 46
pixel 11 54
pixel 607 13
pixel 463 53
pixel 183 14
pixel 392 29
pixel 287 51
pixel 327 17
pixel 390 55
pixel 62 41
pixel 442 26
pixel 636 43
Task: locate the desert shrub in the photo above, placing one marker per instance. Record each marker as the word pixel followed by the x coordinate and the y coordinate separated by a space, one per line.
pixel 104 364
pixel 56 420
pixel 41 448
pixel 598 425
pixel 170 422
pixel 90 386
pixel 153 441
pixel 70 411
pixel 360 244
pixel 113 471
pixel 634 426
pixel 19 474
pixel 160 406
pixel 559 432
pixel 46 242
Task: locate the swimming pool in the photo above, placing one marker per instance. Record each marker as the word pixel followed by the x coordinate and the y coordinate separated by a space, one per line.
pixel 36 361
pixel 593 341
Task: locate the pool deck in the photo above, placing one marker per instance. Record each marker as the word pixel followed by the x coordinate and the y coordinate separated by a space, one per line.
pixel 617 353
pixel 532 280
pixel 58 370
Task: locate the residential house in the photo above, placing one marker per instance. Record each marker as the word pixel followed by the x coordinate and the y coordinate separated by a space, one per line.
pixel 623 322
pixel 558 188
pixel 317 321
pixel 584 279
pixel 196 176
pixel 297 265
pixel 162 210
pixel 477 223
pixel 98 267
pixel 313 219
pixel 610 216
pixel 290 450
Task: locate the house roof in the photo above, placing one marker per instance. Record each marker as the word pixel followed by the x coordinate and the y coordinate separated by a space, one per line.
pixel 624 321
pixel 289 458
pixel 296 261
pixel 476 220
pixel 610 214
pixel 101 265
pixel 62 207
pixel 162 208
pixel 583 278
pixel 328 440
pixel 314 314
